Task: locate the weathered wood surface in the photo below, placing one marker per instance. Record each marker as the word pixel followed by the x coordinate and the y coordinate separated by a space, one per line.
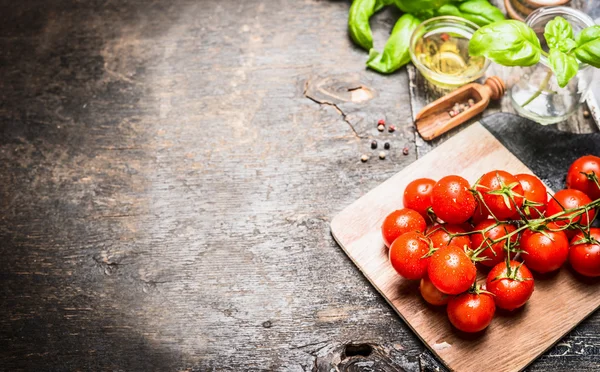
pixel 558 304
pixel 423 93
pixel 166 189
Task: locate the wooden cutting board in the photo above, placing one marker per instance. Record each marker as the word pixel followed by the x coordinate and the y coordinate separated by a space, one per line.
pixel 513 340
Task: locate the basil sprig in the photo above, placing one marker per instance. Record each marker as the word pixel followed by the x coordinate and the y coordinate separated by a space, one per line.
pixel 513 43
pixel 358 20
pixel 480 12
pixel 509 43
pixel 588 46
pixel 395 53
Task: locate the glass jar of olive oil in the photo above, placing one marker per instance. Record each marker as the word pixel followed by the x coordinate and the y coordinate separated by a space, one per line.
pixel 439 48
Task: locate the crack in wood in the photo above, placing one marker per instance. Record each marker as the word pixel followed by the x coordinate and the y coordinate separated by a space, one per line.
pixel 339 111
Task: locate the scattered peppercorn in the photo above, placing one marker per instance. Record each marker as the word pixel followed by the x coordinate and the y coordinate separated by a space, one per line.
pixel 380 128
pixel 386 145
pixel 445 37
pixel 452 113
pixel 381 122
pixel 471 102
pixel 374 144
pixel 391 128
pixel 586 114
pixel 405 151
pixel 364 158
pixel 381 155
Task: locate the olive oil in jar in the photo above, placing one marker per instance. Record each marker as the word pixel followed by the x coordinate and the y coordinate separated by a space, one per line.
pixel 447 54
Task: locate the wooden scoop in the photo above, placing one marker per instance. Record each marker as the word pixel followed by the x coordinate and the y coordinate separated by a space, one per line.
pixel 434 119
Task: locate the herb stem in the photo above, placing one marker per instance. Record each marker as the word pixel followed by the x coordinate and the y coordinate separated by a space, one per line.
pixel 542 88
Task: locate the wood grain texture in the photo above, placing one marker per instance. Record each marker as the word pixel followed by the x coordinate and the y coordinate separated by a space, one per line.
pixel 422 93
pixel 166 189
pixel 558 304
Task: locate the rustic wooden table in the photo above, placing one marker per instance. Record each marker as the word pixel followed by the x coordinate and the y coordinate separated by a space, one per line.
pixel 168 173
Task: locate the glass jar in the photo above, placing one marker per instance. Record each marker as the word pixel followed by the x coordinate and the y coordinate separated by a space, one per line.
pixel 535 93
pixel 520 9
pixel 439 49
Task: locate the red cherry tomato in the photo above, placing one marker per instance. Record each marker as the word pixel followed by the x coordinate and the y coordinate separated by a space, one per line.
pixel 451 270
pixel 576 180
pixel 400 222
pixel 481 214
pixel 471 312
pixel 569 199
pixel 417 195
pixel 501 206
pixel 431 294
pixel 511 290
pixel 452 200
pixel 544 253
pixel 585 257
pixel 494 253
pixel 534 192
pixel 407 255
pixel 440 236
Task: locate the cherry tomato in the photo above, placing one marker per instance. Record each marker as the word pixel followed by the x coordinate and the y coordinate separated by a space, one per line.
pixel 406 255
pixel 544 253
pixel 417 195
pixel 534 192
pixel 431 294
pixel 585 257
pixel 451 270
pixel 471 312
pixel 452 200
pixel 481 214
pixel 501 206
pixel 511 290
pixel 440 236
pixel 399 222
pixel 494 253
pixel 576 180
pixel 569 199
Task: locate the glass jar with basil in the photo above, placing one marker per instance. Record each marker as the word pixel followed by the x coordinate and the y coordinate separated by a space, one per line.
pixel 553 56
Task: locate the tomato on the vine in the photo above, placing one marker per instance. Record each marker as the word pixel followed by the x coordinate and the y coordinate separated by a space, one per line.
pixel 481 214
pixel 569 199
pixel 536 196
pixel 441 236
pixel 490 230
pixel 584 256
pixel 451 270
pixel 471 312
pixel 417 195
pixel 577 180
pixel 501 192
pixel 544 251
pixel 511 289
pixel 431 294
pixel 399 222
pixel 452 200
pixel 407 255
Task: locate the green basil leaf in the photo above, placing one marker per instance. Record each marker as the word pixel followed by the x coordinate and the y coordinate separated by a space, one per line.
pixel 358 20
pixel 416 6
pixel 449 10
pixel 396 51
pixel 480 12
pixel 556 31
pixel 509 43
pixel 566 45
pixel 588 46
pixel 563 65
